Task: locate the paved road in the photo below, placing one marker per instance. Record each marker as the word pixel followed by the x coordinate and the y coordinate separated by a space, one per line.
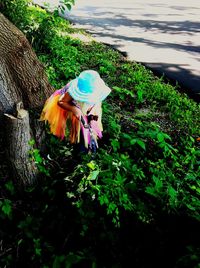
pixel 163 35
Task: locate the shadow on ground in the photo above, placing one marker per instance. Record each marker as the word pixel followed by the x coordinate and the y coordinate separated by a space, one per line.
pixel 105 25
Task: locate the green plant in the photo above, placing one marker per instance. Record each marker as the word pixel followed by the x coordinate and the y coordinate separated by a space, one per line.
pixel 6 207
pixel 39 160
pixel 65 4
pixel 16 11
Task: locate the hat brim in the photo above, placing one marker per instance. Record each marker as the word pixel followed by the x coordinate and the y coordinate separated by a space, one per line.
pixel 100 92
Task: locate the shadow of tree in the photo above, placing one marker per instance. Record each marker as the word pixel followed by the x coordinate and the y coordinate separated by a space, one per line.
pixel 152 43
pixel 105 24
pixel 171 27
pixel 171 71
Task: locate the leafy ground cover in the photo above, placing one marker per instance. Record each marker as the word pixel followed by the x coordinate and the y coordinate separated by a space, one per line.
pixel 137 201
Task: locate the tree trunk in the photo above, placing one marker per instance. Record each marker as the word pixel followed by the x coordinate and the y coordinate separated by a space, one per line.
pixel 22 75
pixel 18 148
pixel 22 78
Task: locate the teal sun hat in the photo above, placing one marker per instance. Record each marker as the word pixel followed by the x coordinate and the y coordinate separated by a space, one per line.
pixel 88 87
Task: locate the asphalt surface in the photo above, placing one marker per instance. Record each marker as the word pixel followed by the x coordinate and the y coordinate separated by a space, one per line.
pixel 162 35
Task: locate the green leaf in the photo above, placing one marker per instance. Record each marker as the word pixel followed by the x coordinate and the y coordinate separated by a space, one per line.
pixel 191 207
pixel 141 144
pixel 166 136
pixel 115 144
pixel 133 141
pixel 192 139
pixel 103 199
pixel 140 95
pixel 93 175
pixel 31 142
pixel 38 251
pixel 172 195
pixel 10 186
pixel 6 207
pixel 91 165
pixel 69 6
pixel 151 190
pixel 158 183
pixel 138 122
pixel 19 241
pixel 160 137
pixel 58 261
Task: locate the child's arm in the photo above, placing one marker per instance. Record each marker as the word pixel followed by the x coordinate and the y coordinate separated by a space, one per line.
pixel 65 102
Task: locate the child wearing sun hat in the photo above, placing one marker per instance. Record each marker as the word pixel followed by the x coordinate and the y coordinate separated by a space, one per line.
pixel 66 107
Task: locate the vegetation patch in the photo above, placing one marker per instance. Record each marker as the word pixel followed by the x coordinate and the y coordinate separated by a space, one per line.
pixel 139 196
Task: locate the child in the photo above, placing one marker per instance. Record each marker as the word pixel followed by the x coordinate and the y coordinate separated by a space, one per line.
pixel 79 100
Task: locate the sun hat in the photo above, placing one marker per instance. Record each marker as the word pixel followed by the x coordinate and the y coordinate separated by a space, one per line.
pixel 88 87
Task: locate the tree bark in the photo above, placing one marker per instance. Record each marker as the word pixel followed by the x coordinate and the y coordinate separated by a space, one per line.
pixel 22 79
pixel 22 76
pixel 18 148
